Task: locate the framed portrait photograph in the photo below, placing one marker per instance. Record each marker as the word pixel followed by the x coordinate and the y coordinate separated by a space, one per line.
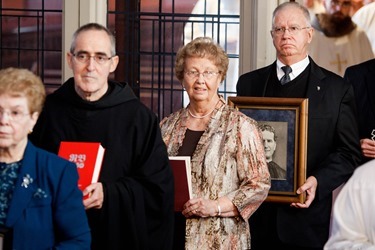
pixel 283 123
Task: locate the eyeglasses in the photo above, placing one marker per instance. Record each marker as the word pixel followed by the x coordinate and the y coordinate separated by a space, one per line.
pixel 13 115
pixel 85 57
pixel 342 4
pixel 292 30
pixel 206 75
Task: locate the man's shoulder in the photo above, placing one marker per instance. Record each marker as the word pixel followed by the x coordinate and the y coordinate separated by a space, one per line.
pixel 323 73
pixel 257 72
pixel 362 66
pixel 275 170
pixel 275 165
pixel 251 83
pixel 254 77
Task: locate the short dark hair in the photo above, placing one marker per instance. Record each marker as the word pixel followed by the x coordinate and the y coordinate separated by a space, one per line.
pixel 267 127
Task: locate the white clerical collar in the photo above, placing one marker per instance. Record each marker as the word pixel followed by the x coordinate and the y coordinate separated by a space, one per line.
pixel 297 68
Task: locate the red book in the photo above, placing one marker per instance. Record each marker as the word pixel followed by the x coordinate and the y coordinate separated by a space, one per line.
pixel 88 156
pixel 182 180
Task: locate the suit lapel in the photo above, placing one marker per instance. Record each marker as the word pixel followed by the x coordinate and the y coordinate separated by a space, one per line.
pixel 315 88
pixel 267 73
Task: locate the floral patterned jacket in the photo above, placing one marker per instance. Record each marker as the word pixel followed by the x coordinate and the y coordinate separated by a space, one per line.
pixel 228 161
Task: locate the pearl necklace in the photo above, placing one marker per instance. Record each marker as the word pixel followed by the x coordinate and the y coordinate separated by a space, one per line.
pixel 200 117
pixel 203 116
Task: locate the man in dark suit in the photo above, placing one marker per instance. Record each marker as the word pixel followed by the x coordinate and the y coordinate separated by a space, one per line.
pixel 333 142
pixel 362 78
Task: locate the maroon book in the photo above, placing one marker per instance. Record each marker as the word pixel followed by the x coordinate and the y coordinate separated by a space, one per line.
pixel 182 180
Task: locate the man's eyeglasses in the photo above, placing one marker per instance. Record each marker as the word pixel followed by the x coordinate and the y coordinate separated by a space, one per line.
pixel 13 115
pixel 85 57
pixel 292 30
pixel 206 75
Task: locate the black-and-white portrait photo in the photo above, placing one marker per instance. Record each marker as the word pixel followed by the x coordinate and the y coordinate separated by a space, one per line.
pixel 275 143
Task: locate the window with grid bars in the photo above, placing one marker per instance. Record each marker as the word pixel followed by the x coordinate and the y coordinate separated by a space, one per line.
pixel 31 38
pixel 148 35
pixel 157 29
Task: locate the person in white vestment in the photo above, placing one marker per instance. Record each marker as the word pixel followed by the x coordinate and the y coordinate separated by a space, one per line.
pixel 365 19
pixel 356 5
pixel 338 42
pixel 353 213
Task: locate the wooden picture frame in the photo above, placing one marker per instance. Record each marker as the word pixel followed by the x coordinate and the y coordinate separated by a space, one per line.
pixel 6 238
pixel 289 117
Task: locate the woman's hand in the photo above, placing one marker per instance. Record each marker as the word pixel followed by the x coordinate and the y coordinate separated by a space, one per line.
pixel 200 207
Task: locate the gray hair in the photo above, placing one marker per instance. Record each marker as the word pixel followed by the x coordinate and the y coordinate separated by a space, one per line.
pixel 93 26
pixel 282 6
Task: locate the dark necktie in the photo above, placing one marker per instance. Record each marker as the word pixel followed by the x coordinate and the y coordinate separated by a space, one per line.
pixel 286 78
